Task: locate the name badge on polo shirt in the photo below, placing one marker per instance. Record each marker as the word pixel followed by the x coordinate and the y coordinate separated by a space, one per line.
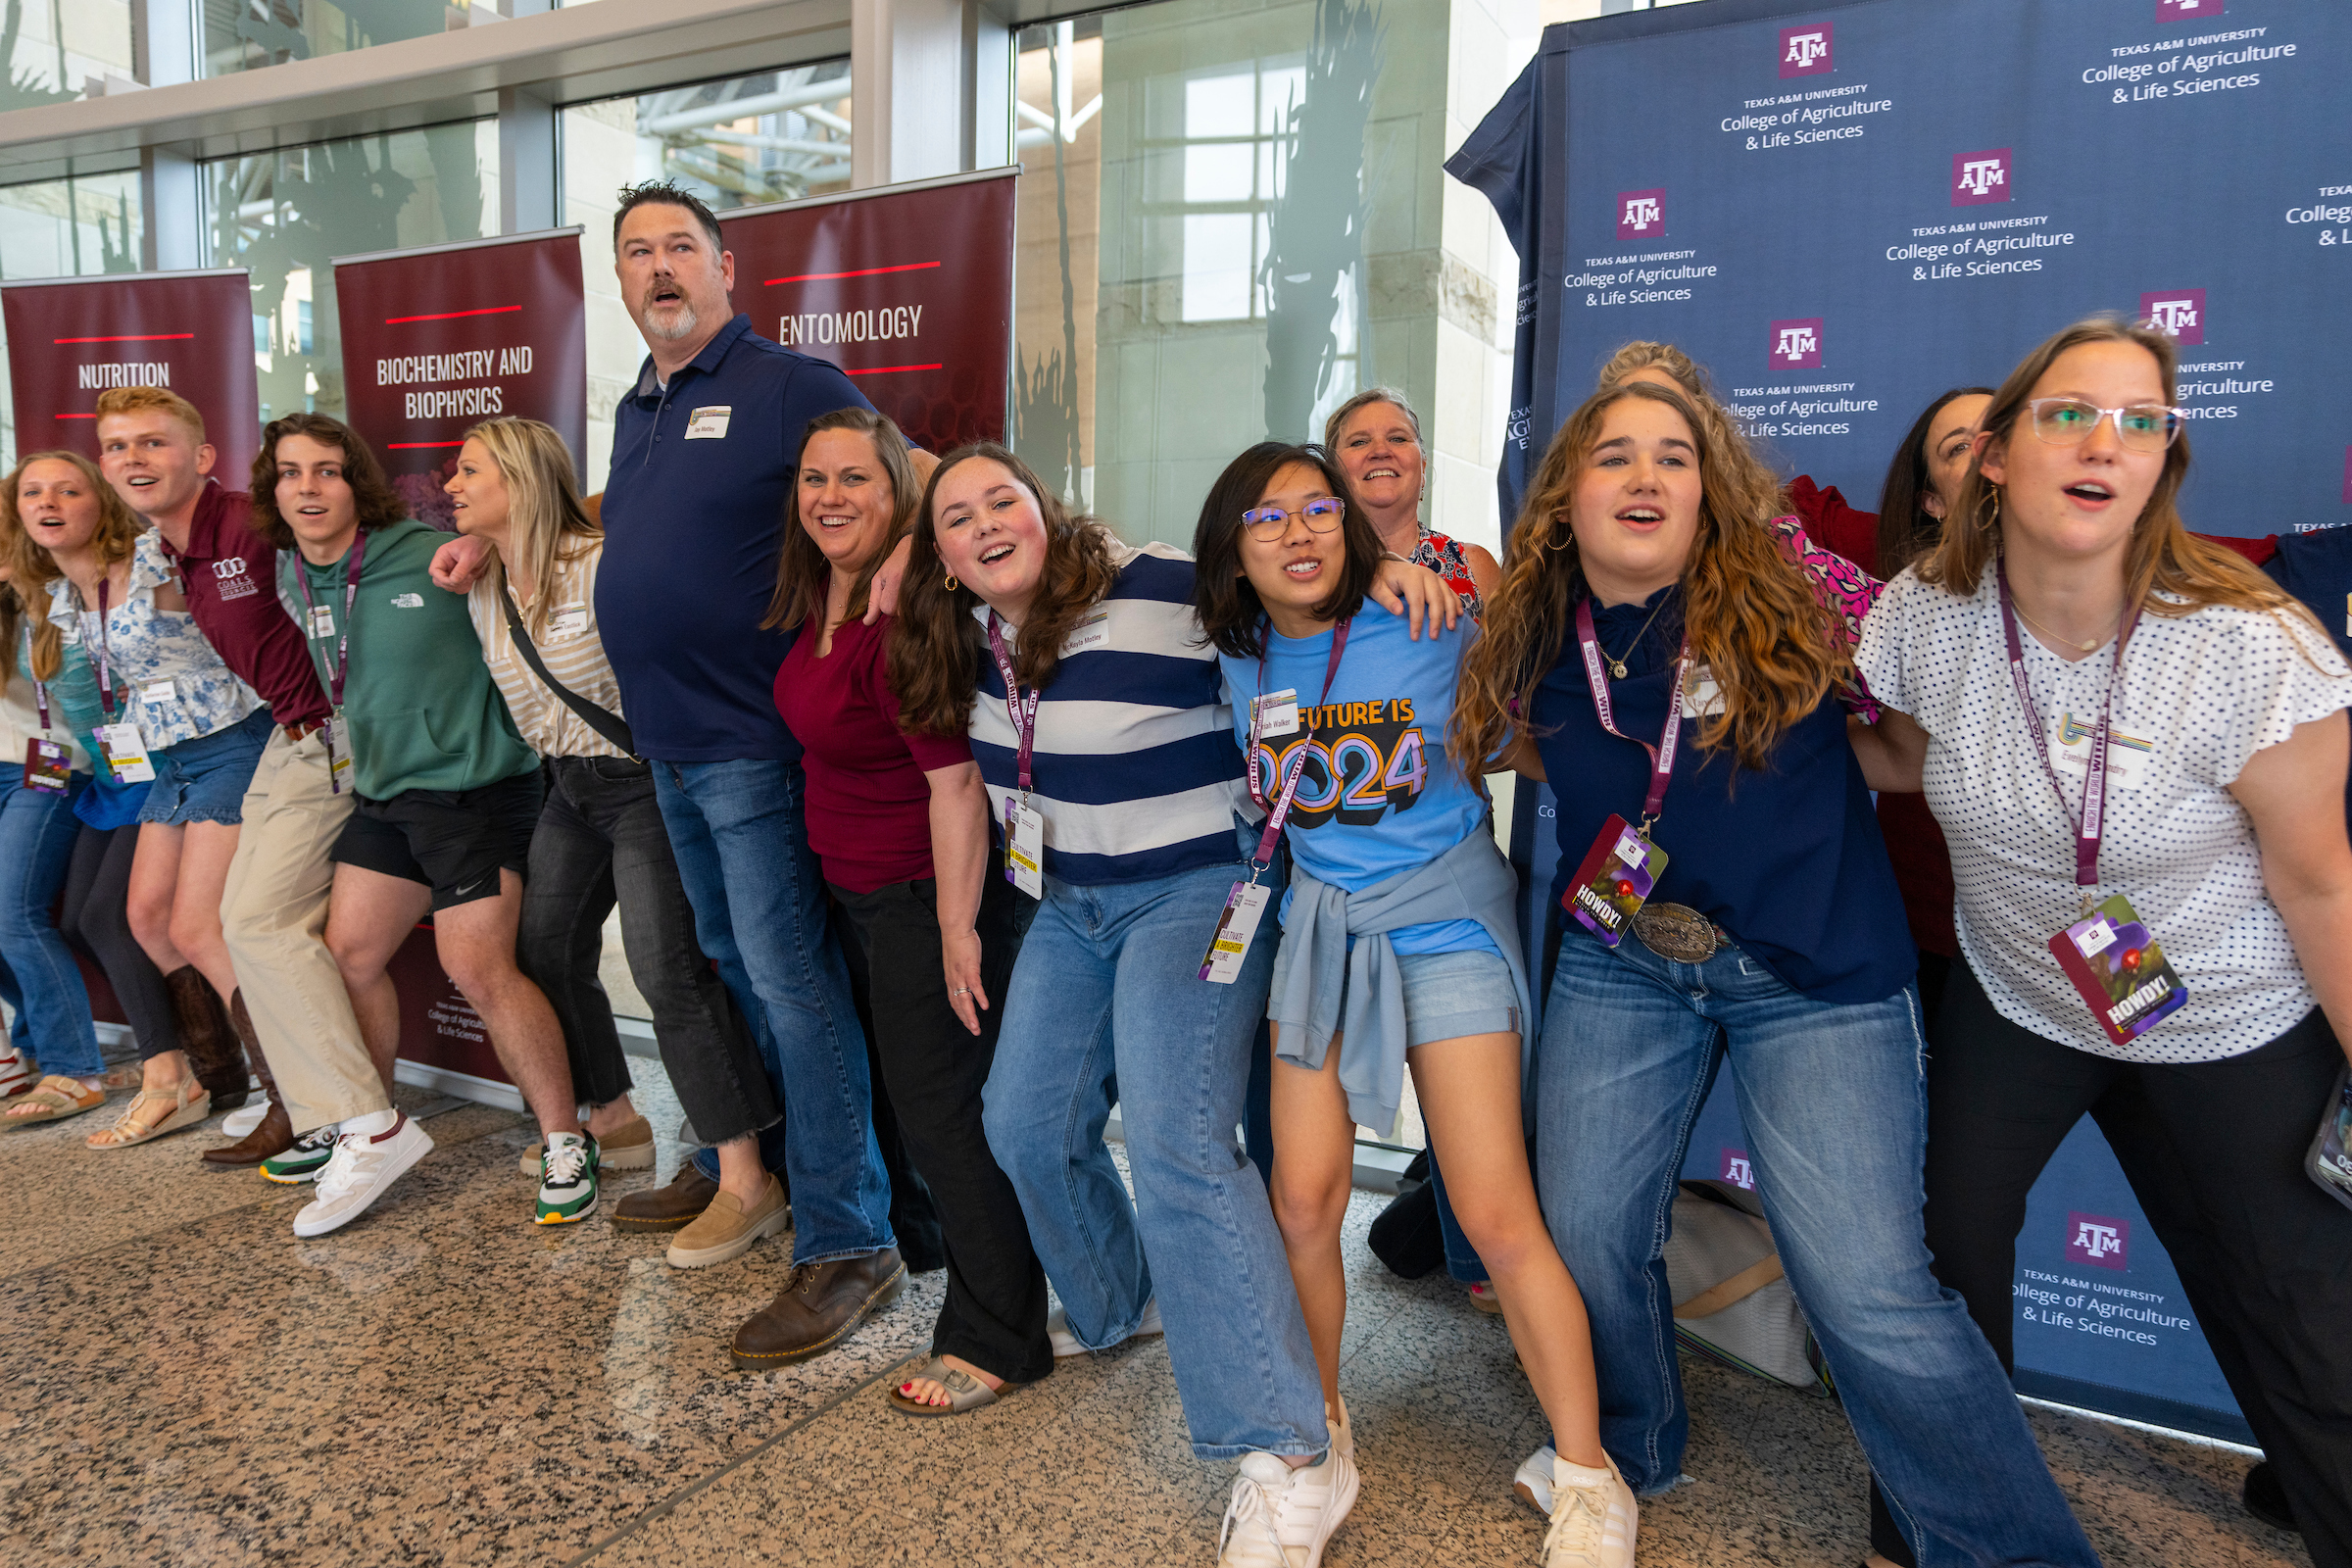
pixel 1091 632
pixel 1278 714
pixel 2127 754
pixel 709 424
pixel 567 622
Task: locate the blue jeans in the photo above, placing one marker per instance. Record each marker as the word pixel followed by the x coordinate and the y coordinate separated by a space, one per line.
pixel 1105 1003
pixel 760 914
pixel 37 830
pixel 1834 1102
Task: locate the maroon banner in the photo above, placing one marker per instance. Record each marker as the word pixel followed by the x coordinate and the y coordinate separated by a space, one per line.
pixel 438 1026
pixel 72 338
pixel 907 289
pixel 437 340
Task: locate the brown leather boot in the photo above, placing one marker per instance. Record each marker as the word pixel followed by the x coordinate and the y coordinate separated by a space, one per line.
pixel 275 1134
pixel 213 1048
pixel 818 1307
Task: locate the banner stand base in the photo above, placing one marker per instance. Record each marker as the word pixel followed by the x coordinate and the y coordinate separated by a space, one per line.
pixel 460 1086
pixel 2099 1401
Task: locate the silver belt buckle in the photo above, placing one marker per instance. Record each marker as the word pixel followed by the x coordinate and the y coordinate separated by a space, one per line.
pixel 1676 931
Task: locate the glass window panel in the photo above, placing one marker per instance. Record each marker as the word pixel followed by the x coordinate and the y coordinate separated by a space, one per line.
pixel 1217 171
pixel 286 215
pixel 1217 266
pixel 774 136
pixel 59 47
pixel 249 34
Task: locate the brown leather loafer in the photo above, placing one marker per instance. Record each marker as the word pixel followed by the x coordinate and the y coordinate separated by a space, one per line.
pixel 818 1307
pixel 666 1208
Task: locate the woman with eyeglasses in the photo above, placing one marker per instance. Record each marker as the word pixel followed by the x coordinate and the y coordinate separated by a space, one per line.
pixel 2135 745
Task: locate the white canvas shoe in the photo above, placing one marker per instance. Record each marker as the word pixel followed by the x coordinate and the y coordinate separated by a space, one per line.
pixel 1533 1483
pixel 1593 1518
pixel 1279 1517
pixel 362 1169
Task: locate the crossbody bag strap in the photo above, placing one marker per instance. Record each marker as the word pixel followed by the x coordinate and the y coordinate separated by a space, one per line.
pixel 610 726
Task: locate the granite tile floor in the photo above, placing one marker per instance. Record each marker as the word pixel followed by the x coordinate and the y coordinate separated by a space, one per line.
pixel 443 1383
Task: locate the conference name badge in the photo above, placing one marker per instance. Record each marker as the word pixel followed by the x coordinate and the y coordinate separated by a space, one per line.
pixel 157 693
pixel 566 623
pixel 125 753
pixel 1278 712
pixel 709 424
pixel 1025 847
pixel 1617 877
pixel 334 733
pixel 2128 756
pixel 45 765
pixel 1244 907
pixel 2123 975
pixel 1094 631
pixel 323 624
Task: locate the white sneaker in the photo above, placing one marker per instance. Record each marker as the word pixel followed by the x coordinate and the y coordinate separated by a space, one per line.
pixel 1533 1483
pixel 1065 1344
pixel 1593 1518
pixel 1279 1517
pixel 359 1172
pixel 1343 1431
pixel 241 1123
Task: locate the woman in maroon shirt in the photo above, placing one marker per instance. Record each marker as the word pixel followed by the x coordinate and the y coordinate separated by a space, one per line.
pixel 900 824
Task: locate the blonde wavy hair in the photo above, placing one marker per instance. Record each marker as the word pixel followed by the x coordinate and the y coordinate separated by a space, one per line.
pixel 32 568
pixel 547 525
pixel 1749 612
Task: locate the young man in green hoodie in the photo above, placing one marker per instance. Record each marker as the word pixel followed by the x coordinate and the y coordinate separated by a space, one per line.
pixel 445 795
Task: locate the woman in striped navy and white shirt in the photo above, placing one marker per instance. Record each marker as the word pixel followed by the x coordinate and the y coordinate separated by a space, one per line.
pixel 1146 826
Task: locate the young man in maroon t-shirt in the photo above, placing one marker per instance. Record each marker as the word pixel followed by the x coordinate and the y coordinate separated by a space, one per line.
pixel 291 1009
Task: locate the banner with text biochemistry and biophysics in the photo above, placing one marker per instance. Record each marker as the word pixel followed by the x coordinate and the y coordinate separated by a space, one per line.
pixel 72 338
pixel 907 289
pixel 439 339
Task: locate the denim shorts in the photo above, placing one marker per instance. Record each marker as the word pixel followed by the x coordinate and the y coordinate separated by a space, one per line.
pixel 1450 995
pixel 204 780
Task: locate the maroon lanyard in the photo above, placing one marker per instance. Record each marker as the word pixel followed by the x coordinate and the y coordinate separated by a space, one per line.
pixel 2094 788
pixel 351 593
pixel 106 684
pixel 1022 709
pixel 1661 755
pixel 1278 808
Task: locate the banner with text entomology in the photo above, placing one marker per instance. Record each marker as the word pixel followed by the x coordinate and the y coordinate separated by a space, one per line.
pixel 72 338
pixel 439 339
pixel 907 289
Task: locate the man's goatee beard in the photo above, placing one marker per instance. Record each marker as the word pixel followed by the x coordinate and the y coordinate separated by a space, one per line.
pixel 682 326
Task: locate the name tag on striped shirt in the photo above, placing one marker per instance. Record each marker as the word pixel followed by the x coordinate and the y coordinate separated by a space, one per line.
pixel 567 622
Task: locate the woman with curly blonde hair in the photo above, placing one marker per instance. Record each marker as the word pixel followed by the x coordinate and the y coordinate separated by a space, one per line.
pixel 1728 897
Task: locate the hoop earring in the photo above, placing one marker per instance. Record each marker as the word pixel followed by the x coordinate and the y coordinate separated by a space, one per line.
pixel 1994 522
pixel 952 584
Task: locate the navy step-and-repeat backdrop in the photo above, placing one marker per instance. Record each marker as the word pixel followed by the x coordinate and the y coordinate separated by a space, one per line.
pixel 1843 208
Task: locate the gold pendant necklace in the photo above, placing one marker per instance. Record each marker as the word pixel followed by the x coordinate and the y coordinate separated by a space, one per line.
pixel 1617 664
pixel 2088 648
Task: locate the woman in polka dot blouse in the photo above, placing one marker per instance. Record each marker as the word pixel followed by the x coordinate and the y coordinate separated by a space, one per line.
pixel 2215 864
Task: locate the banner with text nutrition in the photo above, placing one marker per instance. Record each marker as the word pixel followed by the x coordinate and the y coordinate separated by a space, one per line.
pixel 907 289
pixel 437 339
pixel 72 338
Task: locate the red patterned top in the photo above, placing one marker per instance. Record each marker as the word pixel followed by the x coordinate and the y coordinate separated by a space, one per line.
pixel 1445 557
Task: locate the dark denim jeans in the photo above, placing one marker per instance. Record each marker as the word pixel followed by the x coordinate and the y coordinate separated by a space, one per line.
pixel 37 830
pixel 758 900
pixel 601 840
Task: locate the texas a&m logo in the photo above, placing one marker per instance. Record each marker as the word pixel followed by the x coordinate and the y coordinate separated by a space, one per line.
pixel 1807 51
pixel 2179 313
pixel 1797 345
pixel 235 579
pixel 1980 177
pixel 1738 1171
pixel 2183 10
pixel 2098 1239
pixel 1640 214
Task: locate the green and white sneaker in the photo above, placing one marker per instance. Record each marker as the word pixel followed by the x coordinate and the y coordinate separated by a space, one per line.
pixel 566 1179
pixel 304 1160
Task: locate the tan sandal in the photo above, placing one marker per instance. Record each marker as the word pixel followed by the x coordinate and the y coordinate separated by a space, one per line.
pixel 57 1097
pixel 965 1392
pixel 187 1110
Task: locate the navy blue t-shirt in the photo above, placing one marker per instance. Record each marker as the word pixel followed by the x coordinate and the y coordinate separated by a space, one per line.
pixel 1789 861
pixel 701 488
pixel 2317 568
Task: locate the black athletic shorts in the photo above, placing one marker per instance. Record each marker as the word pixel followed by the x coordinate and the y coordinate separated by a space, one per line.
pixel 455 841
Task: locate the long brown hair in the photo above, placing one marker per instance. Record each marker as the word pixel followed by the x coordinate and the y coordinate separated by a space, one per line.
pixel 30 566
pixel 2168 570
pixel 936 646
pixel 1750 614
pixel 546 523
pixel 1232 616
pixel 802 570
pixel 1907 530
pixel 372 497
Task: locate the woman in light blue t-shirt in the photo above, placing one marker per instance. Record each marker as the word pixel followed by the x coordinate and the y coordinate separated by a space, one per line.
pixel 1398 944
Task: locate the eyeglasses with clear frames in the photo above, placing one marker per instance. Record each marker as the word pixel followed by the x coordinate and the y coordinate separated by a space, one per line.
pixel 2139 426
pixel 1269 523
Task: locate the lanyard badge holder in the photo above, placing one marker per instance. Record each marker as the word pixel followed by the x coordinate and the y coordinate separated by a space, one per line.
pixel 1246 904
pixel 2110 954
pixel 1025 824
pixel 321 623
pixel 120 743
pixel 1621 869
pixel 47 764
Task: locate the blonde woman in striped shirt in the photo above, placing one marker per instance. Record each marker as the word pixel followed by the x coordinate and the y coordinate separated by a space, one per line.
pixel 601 840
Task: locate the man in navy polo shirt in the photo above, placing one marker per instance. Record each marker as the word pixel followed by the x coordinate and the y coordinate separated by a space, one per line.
pixel 705 451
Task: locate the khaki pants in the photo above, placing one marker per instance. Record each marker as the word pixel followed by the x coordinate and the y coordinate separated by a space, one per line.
pixel 273 914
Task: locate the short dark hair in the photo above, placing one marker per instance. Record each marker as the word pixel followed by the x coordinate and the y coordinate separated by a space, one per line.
pixel 1232 616
pixel 662 193
pixel 378 502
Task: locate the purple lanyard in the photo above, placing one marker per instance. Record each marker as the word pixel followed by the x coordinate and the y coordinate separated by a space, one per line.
pixel 1280 810
pixel 105 685
pixel 2094 788
pixel 1661 755
pixel 351 593
pixel 1022 709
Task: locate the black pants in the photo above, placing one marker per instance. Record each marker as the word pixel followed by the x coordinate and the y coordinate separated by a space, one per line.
pixel 995 1312
pixel 601 841
pixel 2214 1151
pixel 97 914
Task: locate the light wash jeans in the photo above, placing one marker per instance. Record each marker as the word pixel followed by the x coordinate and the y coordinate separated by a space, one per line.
pixel 37 830
pixel 760 913
pixel 1107 1003
pixel 1834 1100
